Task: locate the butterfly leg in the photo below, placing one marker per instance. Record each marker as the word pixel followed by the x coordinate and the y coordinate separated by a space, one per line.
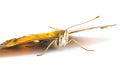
pixel 40 54
pixel 75 41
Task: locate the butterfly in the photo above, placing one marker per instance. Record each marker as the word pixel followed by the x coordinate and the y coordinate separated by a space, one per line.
pixel 57 38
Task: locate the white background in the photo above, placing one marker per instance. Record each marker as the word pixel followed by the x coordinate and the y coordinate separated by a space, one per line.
pixel 23 17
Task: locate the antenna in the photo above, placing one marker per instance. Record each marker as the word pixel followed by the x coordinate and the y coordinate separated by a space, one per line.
pixel 83 22
pixel 90 28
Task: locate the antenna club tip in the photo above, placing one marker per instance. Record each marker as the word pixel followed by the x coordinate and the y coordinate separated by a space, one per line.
pixel 108 26
pixel 114 24
pixel 50 26
pixel 97 16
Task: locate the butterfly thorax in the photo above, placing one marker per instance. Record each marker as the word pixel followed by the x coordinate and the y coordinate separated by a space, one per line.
pixel 63 38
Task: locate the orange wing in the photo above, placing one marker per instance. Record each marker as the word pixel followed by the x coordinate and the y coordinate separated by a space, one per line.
pixel 29 38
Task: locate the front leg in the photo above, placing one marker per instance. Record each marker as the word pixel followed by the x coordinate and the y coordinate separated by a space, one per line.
pixel 75 41
pixel 40 54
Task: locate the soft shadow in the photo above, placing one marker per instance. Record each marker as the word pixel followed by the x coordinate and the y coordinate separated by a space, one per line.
pixel 87 40
pixel 20 51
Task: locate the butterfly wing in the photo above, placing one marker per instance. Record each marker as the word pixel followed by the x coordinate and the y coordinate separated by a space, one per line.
pixel 29 38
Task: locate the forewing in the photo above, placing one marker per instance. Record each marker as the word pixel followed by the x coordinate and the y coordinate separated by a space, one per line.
pixel 29 38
